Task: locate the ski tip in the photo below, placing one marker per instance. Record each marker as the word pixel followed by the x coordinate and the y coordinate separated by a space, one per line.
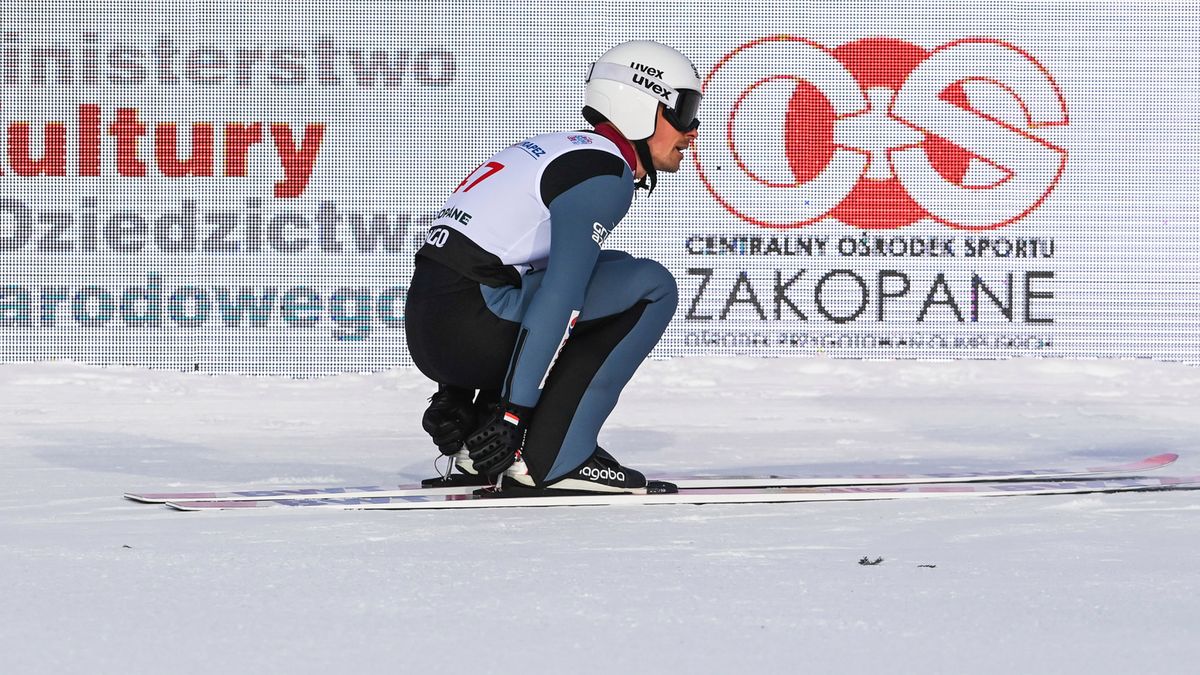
pixel 1164 458
pixel 1147 464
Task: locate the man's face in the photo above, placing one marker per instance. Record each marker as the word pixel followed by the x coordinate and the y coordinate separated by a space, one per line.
pixel 667 144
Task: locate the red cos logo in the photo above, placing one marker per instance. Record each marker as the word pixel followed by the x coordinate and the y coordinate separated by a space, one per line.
pixel 880 133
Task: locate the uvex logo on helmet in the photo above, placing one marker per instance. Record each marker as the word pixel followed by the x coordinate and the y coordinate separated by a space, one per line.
pixel 649 70
pixel 880 133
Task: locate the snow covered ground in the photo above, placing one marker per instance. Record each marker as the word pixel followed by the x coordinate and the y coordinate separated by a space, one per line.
pixel 1093 584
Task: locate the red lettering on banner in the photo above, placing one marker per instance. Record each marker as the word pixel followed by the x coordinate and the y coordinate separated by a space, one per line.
pixel 167 152
pixel 238 139
pixel 54 153
pixel 127 129
pixel 89 140
pixel 297 159
pixel 297 164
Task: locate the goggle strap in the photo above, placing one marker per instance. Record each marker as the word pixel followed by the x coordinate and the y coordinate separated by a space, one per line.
pixel 615 72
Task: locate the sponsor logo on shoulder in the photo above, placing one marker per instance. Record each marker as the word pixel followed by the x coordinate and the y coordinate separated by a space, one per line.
pixel 579 139
pixel 599 233
pixel 535 151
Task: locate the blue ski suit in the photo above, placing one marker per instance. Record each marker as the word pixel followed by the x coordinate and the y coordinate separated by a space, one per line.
pixel 512 291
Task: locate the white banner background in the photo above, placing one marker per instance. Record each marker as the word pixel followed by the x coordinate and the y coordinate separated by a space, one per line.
pixel 220 273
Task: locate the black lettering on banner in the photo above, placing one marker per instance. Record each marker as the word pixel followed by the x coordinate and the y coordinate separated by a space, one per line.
pixel 126 232
pixel 164 56
pixel 1005 308
pixel 216 241
pixel 707 273
pixel 40 66
pixel 206 65
pixel 88 229
pixel 431 61
pixel 326 54
pixel 52 297
pixel 781 297
pixel 327 221
pixel 368 235
pixel 163 62
pixel 125 65
pixel 183 223
pixel 289 67
pixel 378 64
pixel 940 283
pixel 22 221
pixel 884 293
pixel 1031 295
pixel 52 241
pixel 254 225
pixel 734 298
pixel 277 233
pixel 244 65
pixel 862 305
pixel 834 296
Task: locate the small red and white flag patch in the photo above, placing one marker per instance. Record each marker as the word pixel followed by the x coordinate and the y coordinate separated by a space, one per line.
pixel 511 418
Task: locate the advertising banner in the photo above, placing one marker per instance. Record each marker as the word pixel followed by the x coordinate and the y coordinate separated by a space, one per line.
pixel 242 186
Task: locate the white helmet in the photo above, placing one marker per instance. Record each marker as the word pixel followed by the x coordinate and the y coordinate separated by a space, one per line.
pixel 628 82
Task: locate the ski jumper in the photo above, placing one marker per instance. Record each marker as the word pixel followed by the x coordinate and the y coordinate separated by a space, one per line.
pixel 512 291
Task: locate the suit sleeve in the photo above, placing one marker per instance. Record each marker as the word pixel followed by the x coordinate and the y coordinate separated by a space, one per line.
pixel 584 190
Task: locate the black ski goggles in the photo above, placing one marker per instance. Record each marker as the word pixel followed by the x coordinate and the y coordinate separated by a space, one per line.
pixel 682 115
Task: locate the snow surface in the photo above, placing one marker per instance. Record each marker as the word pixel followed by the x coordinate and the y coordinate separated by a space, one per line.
pixel 1092 584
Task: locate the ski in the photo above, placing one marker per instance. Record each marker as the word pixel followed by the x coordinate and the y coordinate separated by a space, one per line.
pixel 687 482
pixel 299 493
pixel 715 496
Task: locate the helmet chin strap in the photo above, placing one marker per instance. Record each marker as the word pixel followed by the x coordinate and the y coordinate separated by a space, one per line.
pixel 651 178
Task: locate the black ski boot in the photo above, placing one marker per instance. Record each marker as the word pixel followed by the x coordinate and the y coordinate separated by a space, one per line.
pixel 600 474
